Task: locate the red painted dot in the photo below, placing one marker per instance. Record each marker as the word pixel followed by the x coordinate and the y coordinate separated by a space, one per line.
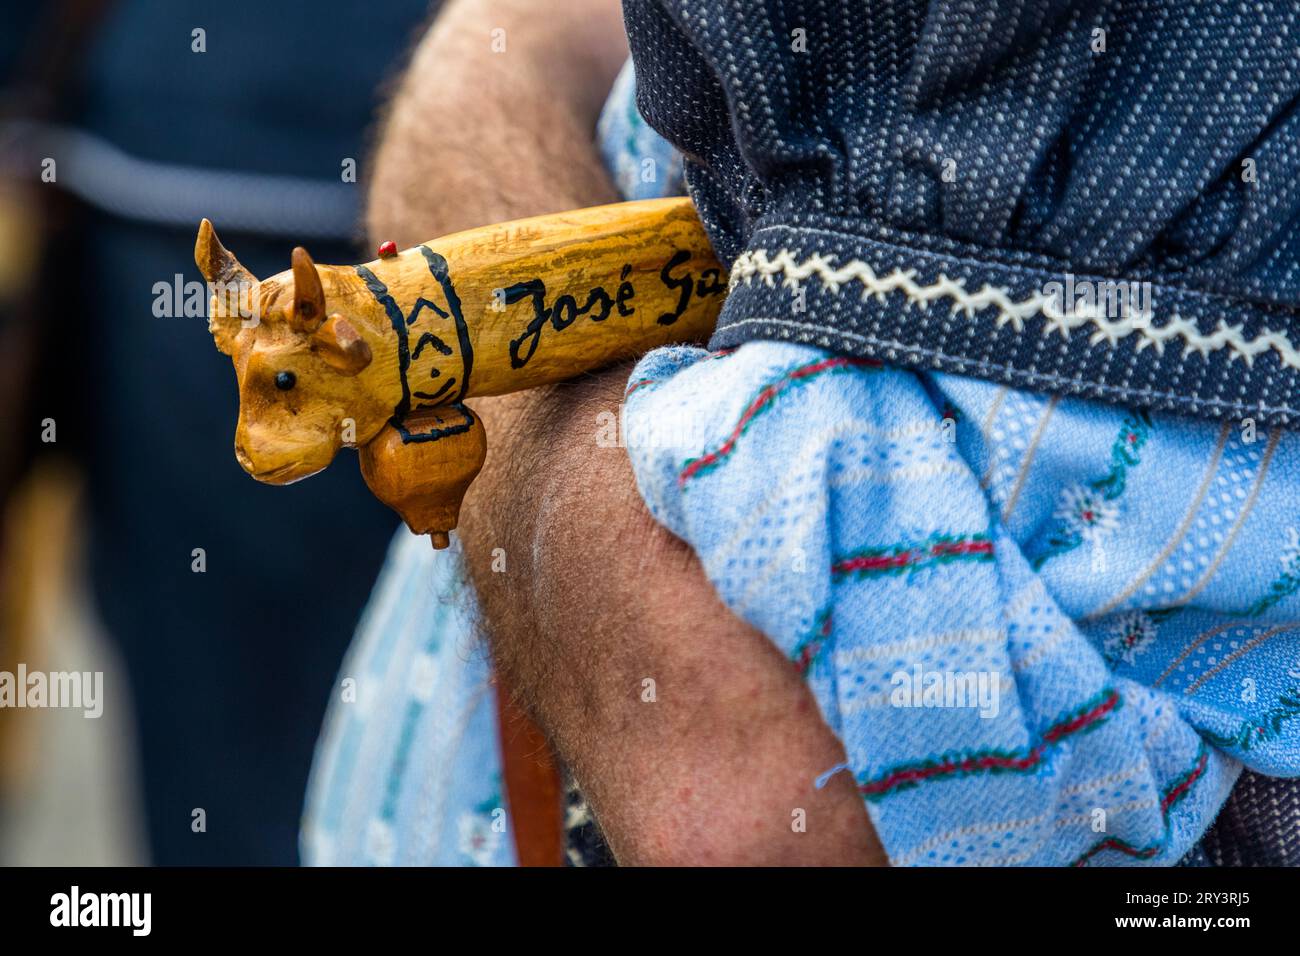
pixel 387 249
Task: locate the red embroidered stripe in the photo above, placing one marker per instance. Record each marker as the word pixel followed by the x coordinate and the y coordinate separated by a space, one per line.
pixel 763 401
pixel 1173 794
pixel 1085 718
pixel 711 357
pixel 1179 788
pixel 896 558
pixel 806 652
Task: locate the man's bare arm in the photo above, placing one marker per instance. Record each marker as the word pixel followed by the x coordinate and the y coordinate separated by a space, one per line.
pixel 596 599
pixel 474 136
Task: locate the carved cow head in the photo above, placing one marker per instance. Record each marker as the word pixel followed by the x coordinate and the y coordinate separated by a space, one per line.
pixel 315 369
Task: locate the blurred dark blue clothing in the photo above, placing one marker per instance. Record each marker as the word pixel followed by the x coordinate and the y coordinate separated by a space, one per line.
pixel 231 669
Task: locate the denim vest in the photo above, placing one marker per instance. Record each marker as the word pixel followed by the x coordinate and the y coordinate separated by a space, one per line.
pixel 1088 197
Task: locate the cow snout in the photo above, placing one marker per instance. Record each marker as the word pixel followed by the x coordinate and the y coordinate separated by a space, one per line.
pixel 278 459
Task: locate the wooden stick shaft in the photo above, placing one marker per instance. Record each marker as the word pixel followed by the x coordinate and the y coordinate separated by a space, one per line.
pixel 381 355
pixel 545 299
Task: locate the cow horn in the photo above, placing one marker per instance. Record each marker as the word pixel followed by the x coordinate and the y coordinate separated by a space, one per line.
pixel 215 261
pixel 308 295
pixel 231 287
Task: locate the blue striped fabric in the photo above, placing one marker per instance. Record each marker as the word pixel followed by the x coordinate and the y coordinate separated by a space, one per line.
pixel 1047 631
pixel 407 772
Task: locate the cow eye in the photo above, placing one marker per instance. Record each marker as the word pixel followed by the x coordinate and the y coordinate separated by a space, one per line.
pixel 285 380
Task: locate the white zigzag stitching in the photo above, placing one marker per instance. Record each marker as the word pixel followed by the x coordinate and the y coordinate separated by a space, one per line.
pixel 757 263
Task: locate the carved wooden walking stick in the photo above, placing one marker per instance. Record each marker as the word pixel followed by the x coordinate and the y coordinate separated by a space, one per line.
pixel 382 356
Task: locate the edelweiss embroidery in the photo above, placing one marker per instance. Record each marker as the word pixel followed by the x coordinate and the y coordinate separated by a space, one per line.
pixel 1087 513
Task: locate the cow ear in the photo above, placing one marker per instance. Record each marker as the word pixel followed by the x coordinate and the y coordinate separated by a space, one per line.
pixel 308 295
pixel 224 335
pixel 339 343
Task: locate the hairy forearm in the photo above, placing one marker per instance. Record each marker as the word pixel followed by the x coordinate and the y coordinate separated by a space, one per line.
pixel 693 739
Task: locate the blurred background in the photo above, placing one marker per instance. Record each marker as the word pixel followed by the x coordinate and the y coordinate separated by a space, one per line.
pixel 122 122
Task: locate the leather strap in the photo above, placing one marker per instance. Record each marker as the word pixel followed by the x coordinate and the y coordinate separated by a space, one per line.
pixel 532 782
